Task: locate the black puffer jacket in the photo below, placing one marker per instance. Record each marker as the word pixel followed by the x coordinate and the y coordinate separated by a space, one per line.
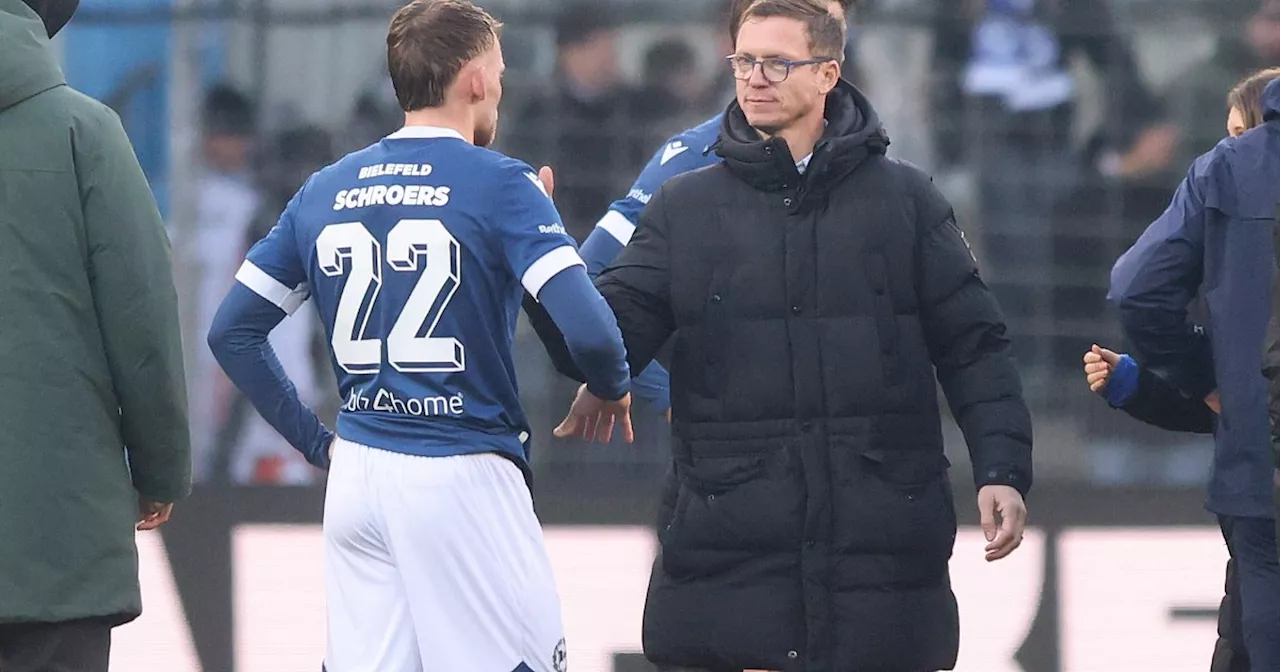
pixel 813 520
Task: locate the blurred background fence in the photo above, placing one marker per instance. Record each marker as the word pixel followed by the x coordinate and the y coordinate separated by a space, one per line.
pixel 1058 138
pixel 232 103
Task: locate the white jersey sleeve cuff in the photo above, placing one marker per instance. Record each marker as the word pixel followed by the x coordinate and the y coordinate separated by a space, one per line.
pixel 617 226
pixel 271 289
pixel 548 266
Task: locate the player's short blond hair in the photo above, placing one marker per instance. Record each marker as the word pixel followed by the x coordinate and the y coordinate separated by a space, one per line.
pixel 428 42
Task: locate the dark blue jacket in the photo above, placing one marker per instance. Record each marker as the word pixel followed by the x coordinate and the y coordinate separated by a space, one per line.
pixel 1217 233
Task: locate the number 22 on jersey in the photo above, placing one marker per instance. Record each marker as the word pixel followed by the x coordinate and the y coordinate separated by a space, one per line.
pixel 350 249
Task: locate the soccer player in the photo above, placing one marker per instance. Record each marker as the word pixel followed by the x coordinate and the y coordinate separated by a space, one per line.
pixel 414 251
pixel 684 152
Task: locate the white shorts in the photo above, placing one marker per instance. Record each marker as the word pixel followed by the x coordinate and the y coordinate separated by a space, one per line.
pixel 436 564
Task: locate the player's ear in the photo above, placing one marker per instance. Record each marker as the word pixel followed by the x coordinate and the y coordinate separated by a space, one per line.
pixel 475 82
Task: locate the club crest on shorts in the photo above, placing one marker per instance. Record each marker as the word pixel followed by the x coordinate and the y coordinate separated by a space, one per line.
pixel 560 657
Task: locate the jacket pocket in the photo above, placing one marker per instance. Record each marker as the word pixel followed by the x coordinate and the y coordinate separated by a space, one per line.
pixel 894 502
pixel 906 469
pixel 735 502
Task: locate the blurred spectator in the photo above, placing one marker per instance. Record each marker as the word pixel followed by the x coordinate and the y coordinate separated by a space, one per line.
pixel 722 88
pixel 1249 40
pixel 375 116
pixel 1005 105
pixel 227 131
pixel 1263 32
pixel 673 93
pixel 227 203
pixel 584 125
pixel 248 449
pixel 850 69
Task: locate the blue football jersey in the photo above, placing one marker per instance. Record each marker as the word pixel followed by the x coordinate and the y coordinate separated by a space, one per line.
pixel 414 252
pixel 684 152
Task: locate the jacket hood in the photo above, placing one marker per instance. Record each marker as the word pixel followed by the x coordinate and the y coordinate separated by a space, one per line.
pixel 1271 101
pixel 27 65
pixel 853 133
pixel 54 13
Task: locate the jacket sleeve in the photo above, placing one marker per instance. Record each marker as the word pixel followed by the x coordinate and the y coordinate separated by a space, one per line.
pixel 1154 282
pixel 130 274
pixel 638 286
pixel 1158 403
pixel 965 332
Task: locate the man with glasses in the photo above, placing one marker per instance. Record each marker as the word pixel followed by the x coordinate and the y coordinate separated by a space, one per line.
pixel 686 151
pixel 812 288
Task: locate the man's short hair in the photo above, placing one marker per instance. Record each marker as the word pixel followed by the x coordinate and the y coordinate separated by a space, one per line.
pixel 826 33
pixel 226 111
pixel 428 42
pixel 738 10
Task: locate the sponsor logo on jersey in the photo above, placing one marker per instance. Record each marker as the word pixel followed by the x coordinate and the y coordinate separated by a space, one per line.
pixel 552 228
pixel 385 401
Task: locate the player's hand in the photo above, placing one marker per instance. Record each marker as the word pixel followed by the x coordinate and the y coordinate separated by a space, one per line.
pixel 152 514
pixel 1006 503
pixel 668 416
pixel 548 181
pixel 1099 362
pixel 1213 402
pixel 593 418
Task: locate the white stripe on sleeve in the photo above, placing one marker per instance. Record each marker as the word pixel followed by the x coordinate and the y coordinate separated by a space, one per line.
pixel 617 225
pixel 548 266
pixel 271 289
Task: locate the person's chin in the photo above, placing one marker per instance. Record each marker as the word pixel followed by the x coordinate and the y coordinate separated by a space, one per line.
pixel 768 124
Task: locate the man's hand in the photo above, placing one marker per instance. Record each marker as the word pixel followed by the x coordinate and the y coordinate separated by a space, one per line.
pixel 1098 364
pixel 593 418
pixel 153 514
pixel 668 416
pixel 548 181
pixel 1213 402
pixel 1006 502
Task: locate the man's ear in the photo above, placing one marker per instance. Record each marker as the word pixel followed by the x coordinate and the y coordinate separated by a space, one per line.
pixel 475 81
pixel 830 76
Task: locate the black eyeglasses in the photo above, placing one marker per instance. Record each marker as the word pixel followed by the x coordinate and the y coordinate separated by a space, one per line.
pixel 775 70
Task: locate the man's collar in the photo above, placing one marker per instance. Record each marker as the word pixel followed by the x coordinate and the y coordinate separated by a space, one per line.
pixel 425 133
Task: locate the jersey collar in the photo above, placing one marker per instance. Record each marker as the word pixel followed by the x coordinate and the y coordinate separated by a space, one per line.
pixel 425 133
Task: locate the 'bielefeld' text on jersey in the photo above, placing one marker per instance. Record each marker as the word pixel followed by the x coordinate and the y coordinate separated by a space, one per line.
pixel 414 251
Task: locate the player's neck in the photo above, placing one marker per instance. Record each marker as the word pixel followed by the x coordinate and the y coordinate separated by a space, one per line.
pixel 441 118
